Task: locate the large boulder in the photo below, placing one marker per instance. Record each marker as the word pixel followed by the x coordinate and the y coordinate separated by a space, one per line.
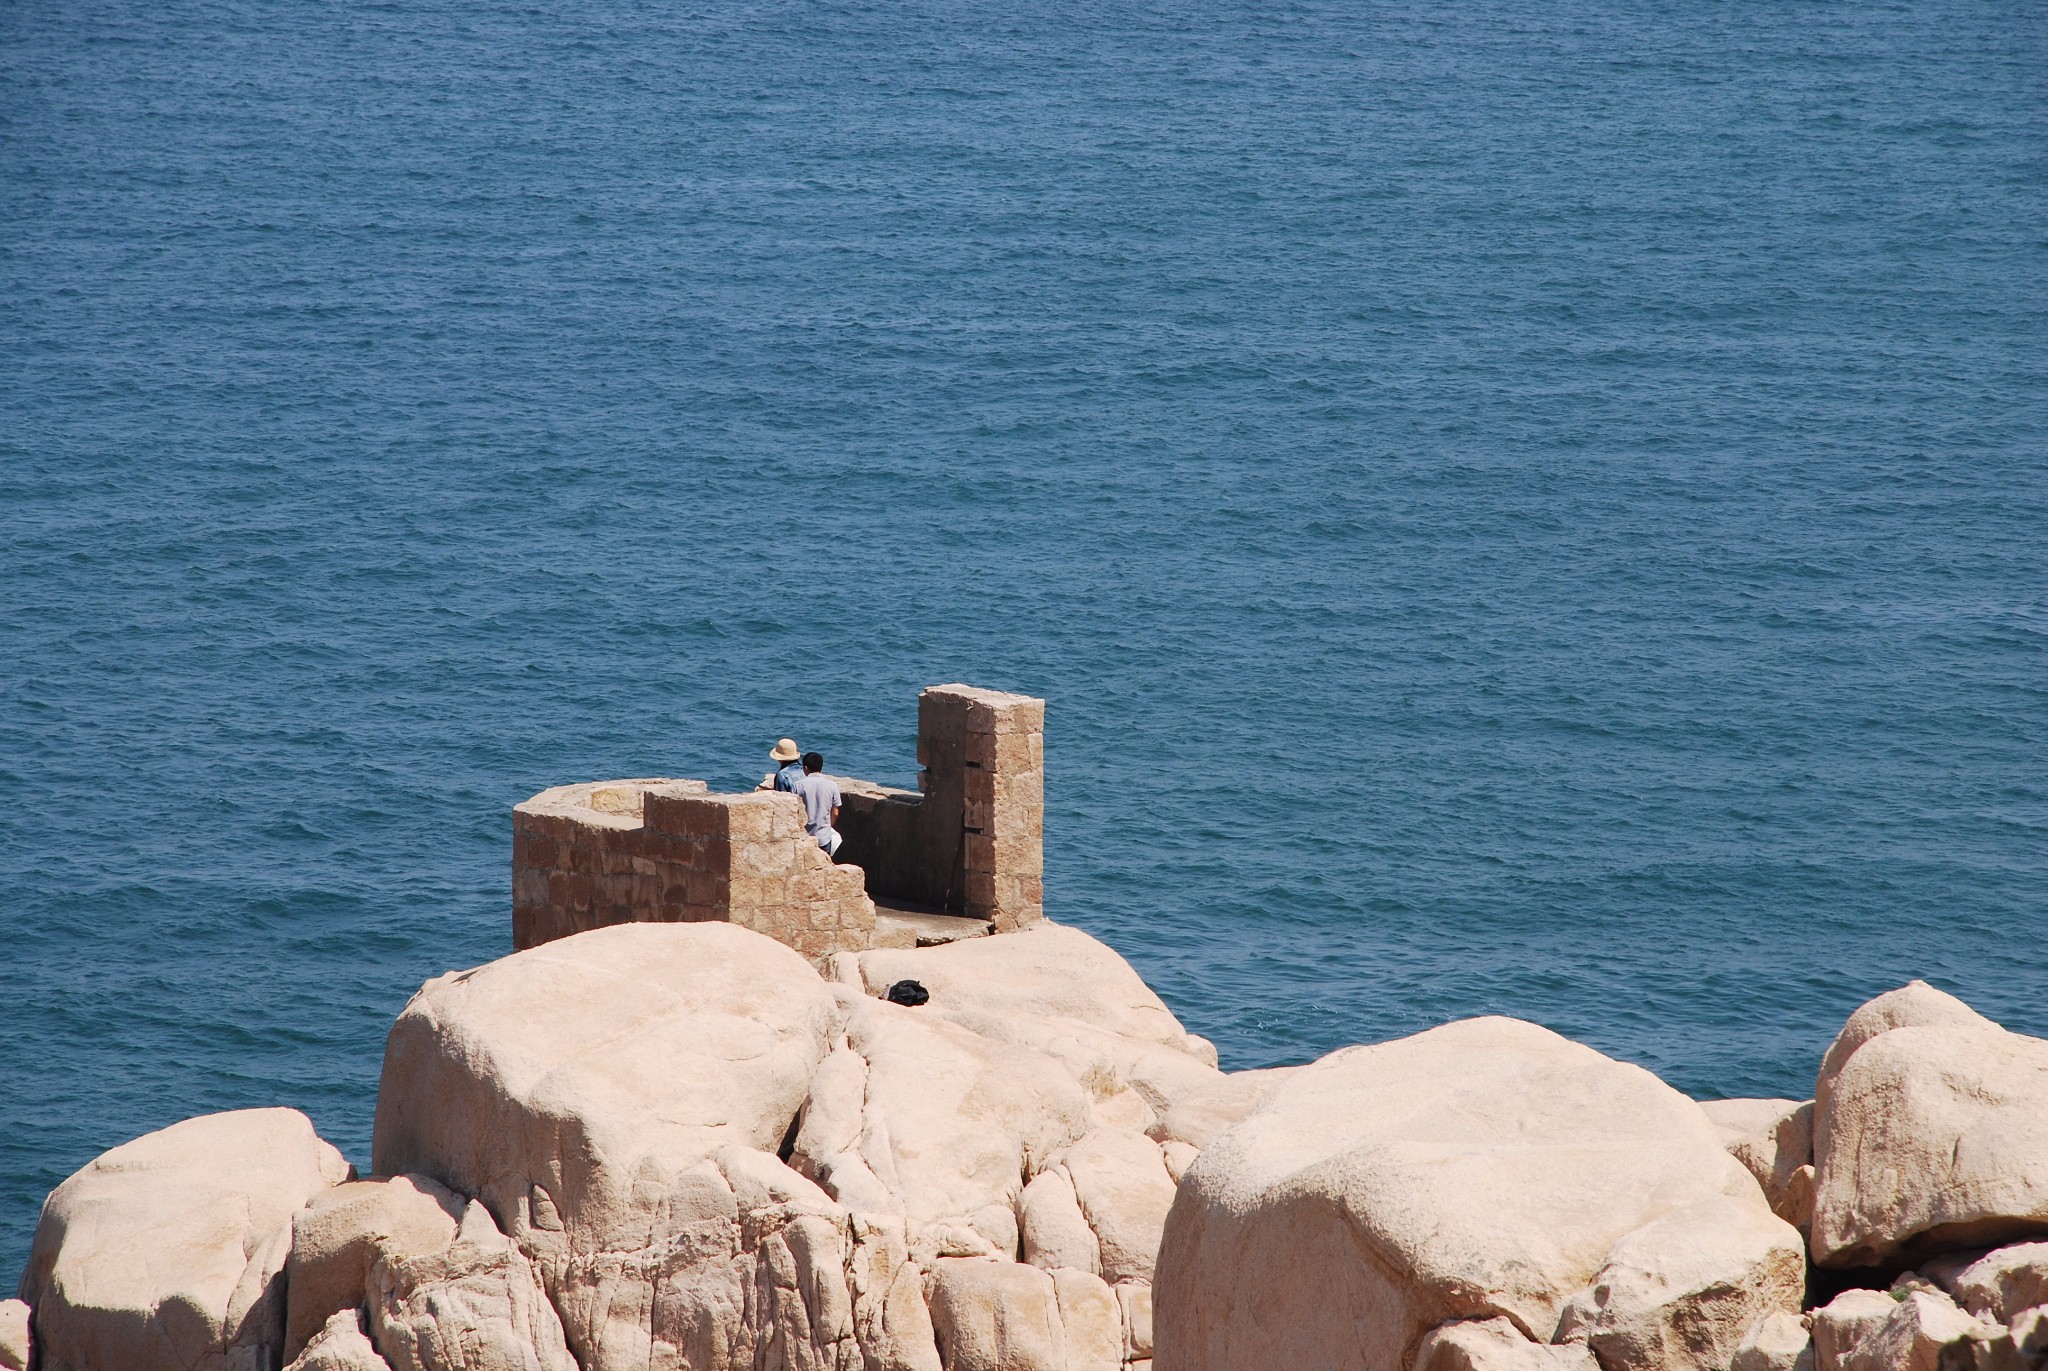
pixel 474 1304
pixel 616 1099
pixel 1485 1169
pixel 1684 1289
pixel 1928 1123
pixel 340 1236
pixel 1057 990
pixel 1999 1284
pixel 167 1252
pixel 920 1117
pixel 1910 1331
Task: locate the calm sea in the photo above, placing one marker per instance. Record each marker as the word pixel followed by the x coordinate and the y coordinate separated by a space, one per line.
pixel 1515 507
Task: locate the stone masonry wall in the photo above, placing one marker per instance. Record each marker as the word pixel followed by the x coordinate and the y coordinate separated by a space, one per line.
pixel 972 842
pixel 662 851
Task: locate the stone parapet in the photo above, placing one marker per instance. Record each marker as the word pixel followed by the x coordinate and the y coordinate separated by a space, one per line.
pixel 1002 774
pixel 664 851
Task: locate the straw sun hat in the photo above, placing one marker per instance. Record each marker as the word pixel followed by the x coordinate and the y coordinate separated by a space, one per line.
pixel 785 750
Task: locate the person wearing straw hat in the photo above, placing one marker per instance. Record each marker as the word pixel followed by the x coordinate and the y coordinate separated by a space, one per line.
pixel 789 763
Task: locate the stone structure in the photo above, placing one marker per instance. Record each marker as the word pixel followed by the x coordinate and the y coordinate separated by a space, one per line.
pixel 661 851
pixel 967 843
pixel 970 840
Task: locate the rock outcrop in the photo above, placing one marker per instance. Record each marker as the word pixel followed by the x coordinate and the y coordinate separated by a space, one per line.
pixel 341 1235
pixel 616 1100
pixel 1485 1169
pixel 1774 1139
pixel 339 1345
pixel 167 1252
pixel 1928 1129
pixel 654 1147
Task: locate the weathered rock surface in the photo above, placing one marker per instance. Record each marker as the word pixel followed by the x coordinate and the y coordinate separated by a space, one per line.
pixel 476 1304
pixel 1774 1139
pixel 922 1117
pixel 14 1335
pixel 1200 1114
pixel 1484 1169
pixel 1684 1289
pixel 167 1251
pixel 340 1345
pixel 615 1100
pixel 993 1315
pixel 1998 1284
pixel 1120 1182
pixel 339 1236
pixel 1777 1342
pixel 1852 1317
pixel 1496 1345
pixel 1910 1336
pixel 1927 1133
pixel 1057 990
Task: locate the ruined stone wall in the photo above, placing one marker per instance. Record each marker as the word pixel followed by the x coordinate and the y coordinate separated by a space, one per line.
pixel 972 843
pixel 662 851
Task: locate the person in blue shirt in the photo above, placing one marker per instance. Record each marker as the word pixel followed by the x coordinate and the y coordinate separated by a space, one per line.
pixel 820 794
pixel 789 764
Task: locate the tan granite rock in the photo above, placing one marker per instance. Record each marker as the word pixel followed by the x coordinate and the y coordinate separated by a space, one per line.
pixel 1059 991
pixel 1852 1317
pixel 951 1125
pixel 1909 1338
pixel 14 1335
pixel 891 1321
pixel 1777 1342
pixel 1485 1168
pixel 1927 1133
pixel 1496 1345
pixel 167 1252
pixel 1998 1284
pixel 615 1099
pixel 1134 1303
pixel 476 1304
pixel 1200 1114
pixel 1054 1231
pixel 1121 1183
pixel 1091 1321
pixel 1738 1119
pixel 339 1345
pixel 994 1315
pixel 1774 1139
pixel 1683 1290
pixel 339 1236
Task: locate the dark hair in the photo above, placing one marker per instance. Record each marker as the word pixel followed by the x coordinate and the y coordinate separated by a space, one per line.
pixel 814 761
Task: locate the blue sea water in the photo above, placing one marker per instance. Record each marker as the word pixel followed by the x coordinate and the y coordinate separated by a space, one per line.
pixel 1515 507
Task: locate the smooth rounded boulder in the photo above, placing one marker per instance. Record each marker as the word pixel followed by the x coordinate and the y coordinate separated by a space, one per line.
pixel 616 1100
pixel 1485 1169
pixel 167 1252
pixel 1928 1128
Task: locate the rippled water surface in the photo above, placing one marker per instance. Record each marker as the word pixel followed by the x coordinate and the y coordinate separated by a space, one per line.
pixel 1520 508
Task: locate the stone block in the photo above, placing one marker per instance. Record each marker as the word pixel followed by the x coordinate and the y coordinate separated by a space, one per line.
pixel 978 853
pixel 531 849
pixel 686 815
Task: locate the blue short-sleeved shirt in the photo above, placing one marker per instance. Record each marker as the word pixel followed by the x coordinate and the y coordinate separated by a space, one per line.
pixel 789 774
pixel 820 794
